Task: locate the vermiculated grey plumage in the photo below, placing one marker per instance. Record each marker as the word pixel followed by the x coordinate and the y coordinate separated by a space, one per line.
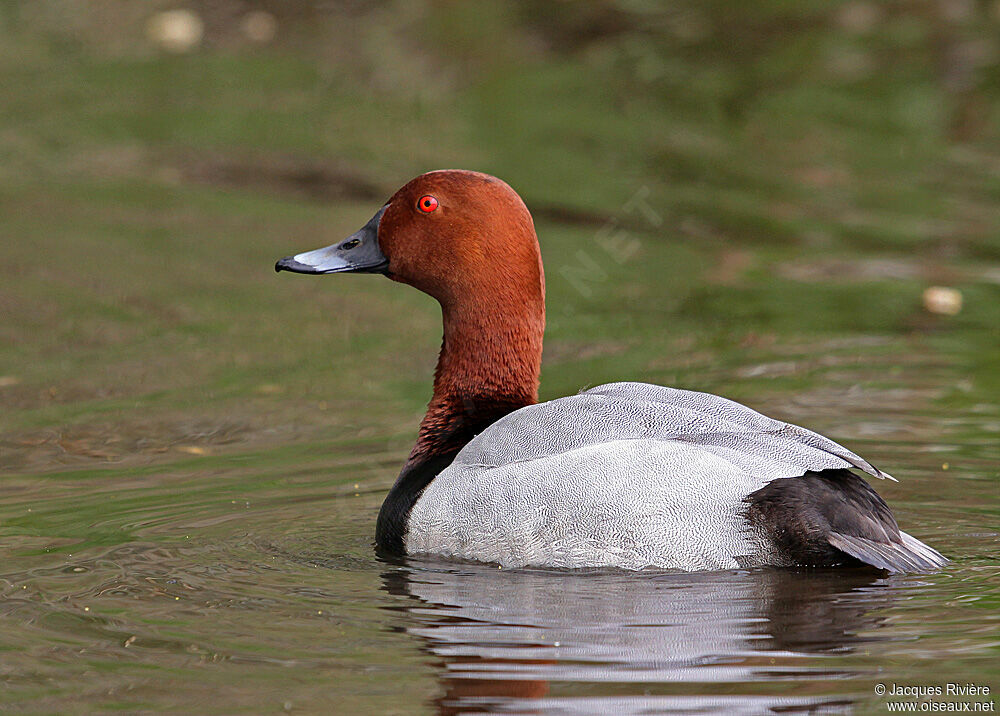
pixel 629 475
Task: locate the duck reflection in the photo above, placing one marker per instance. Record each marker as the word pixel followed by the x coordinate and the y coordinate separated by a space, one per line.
pixel 638 643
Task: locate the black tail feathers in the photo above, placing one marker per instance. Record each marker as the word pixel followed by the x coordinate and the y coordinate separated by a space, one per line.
pixel 834 518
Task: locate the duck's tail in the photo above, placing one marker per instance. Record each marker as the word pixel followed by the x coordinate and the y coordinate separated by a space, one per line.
pixel 907 555
pixel 833 517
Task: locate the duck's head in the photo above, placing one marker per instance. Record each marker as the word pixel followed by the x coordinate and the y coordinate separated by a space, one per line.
pixel 453 234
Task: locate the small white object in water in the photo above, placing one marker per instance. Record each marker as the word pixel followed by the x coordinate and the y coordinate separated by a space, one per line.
pixel 259 26
pixel 176 30
pixel 943 300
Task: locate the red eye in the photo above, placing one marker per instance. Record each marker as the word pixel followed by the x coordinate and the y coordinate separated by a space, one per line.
pixel 427 204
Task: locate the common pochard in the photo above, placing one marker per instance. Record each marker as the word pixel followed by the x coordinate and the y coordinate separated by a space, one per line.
pixel 626 475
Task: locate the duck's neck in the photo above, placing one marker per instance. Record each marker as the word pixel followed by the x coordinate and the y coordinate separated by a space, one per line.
pixel 488 367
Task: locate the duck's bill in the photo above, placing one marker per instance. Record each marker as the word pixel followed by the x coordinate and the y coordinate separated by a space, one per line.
pixel 358 253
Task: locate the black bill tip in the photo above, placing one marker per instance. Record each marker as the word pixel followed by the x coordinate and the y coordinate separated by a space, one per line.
pixel 290 264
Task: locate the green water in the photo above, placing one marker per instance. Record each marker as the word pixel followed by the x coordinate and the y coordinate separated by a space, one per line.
pixel 247 583
pixel 193 449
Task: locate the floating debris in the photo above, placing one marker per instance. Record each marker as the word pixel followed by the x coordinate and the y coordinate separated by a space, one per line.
pixel 193 450
pixel 176 30
pixel 943 300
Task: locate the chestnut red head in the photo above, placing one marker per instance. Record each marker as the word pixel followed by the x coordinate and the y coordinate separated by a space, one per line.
pixel 453 234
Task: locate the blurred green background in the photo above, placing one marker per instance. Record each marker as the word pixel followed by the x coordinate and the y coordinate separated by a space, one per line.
pixel 724 192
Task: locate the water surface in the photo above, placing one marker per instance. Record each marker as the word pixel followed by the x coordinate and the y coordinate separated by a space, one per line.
pixel 248 583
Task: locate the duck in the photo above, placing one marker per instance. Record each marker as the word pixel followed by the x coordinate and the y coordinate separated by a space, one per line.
pixel 626 475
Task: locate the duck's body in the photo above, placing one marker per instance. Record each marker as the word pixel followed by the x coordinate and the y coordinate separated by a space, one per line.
pixel 626 475
pixel 632 475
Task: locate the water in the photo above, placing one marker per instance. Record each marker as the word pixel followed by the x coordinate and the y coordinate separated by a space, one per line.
pixel 246 584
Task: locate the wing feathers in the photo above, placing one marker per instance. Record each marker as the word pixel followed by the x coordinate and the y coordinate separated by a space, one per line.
pixel 765 448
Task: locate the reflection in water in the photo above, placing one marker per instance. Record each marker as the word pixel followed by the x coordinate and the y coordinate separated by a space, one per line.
pixel 657 642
